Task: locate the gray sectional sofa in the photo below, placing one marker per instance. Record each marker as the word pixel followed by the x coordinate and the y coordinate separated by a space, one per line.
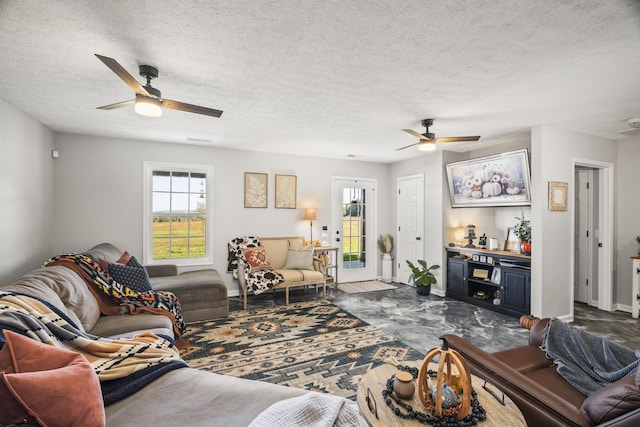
pixel 202 293
pixel 184 396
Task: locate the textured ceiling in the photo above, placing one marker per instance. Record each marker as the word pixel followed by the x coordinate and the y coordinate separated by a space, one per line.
pixel 327 78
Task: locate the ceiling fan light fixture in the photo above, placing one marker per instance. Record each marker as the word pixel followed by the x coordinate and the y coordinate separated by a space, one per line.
pixel 148 106
pixel 427 146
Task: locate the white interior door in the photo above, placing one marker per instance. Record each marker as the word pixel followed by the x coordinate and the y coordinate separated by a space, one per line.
pixel 354 212
pixel 410 233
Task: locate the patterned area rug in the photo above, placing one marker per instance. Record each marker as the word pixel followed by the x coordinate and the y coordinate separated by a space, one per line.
pixel 368 286
pixel 313 345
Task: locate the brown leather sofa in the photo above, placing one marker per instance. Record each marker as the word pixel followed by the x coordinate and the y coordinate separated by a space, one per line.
pixel 530 379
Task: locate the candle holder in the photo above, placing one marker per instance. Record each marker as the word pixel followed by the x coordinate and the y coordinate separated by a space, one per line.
pixel 471 234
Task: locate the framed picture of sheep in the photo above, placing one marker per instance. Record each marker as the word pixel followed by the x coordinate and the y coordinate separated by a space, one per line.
pixel 498 180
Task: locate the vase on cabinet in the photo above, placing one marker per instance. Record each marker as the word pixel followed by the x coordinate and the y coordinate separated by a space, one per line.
pixel 525 248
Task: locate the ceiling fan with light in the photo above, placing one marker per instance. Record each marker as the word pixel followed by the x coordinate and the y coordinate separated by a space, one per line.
pixel 149 101
pixel 428 139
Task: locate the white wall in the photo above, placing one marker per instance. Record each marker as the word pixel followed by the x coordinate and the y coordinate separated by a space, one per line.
pixel 441 219
pixel 626 218
pixel 429 164
pixel 553 152
pixel 98 187
pixel 26 192
pixel 97 183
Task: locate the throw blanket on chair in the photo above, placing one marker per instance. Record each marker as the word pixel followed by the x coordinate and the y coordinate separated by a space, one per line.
pixel 257 281
pixel 115 298
pixel 123 366
pixel 586 361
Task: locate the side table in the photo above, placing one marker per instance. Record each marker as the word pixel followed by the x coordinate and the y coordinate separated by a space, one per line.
pixel 332 252
pixel 375 381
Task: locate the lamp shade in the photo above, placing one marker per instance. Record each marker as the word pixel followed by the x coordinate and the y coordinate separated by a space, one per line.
pixel 148 106
pixel 310 214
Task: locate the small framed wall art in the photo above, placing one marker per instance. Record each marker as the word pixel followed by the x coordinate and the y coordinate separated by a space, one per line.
pixel 558 195
pixel 255 189
pixel 286 190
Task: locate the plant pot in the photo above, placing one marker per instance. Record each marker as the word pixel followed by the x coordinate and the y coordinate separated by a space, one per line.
pixel 525 248
pixel 423 290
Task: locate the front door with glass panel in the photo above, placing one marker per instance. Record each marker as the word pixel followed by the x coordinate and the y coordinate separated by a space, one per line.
pixel 354 222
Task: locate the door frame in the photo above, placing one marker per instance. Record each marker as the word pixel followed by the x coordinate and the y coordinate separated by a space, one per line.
pixel 605 231
pixel 373 221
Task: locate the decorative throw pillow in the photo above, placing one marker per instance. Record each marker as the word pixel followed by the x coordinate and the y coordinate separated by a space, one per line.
pixel 295 244
pixel 124 258
pixel 257 258
pixel 300 259
pixel 132 274
pixel 47 385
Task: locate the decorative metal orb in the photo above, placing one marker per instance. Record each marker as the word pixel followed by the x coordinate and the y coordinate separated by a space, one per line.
pixel 450 392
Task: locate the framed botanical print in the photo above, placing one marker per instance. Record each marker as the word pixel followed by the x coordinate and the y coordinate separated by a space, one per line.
pixel 286 191
pixel 255 189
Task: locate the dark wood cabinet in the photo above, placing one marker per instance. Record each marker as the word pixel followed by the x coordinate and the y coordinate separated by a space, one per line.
pixel 496 280
pixel 457 277
pixel 517 289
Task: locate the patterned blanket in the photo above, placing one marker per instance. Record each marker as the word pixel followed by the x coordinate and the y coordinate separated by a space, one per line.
pixel 116 298
pixel 123 366
pixel 257 281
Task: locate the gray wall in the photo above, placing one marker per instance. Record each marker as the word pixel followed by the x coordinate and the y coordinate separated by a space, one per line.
pixel 98 187
pixel 553 153
pixel 627 218
pixel 26 192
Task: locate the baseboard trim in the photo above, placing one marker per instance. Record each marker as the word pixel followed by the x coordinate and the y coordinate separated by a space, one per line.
pixel 622 307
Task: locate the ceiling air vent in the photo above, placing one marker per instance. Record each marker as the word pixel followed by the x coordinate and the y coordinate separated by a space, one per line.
pixel 634 125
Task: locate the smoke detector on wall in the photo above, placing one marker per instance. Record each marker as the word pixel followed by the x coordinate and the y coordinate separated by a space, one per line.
pixel 634 128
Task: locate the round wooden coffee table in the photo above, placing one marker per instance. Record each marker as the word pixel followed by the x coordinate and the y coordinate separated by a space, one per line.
pixel 374 381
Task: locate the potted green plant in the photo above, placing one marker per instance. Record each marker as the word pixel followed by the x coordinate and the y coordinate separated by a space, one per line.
pixel 422 277
pixel 522 230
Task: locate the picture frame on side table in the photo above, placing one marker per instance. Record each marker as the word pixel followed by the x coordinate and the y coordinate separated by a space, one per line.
pixel 512 244
pixel 558 195
pixel 286 191
pixel 255 189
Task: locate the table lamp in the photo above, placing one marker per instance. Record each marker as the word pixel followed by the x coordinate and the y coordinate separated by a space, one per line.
pixel 310 215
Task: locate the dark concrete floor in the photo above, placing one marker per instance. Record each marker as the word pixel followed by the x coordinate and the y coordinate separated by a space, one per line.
pixel 419 321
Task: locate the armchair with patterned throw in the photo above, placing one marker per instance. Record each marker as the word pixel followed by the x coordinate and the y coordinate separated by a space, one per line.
pixel 270 263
